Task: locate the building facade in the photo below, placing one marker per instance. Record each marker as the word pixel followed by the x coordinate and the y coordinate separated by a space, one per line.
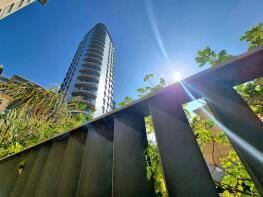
pixel 8 7
pixel 91 73
pixel 6 100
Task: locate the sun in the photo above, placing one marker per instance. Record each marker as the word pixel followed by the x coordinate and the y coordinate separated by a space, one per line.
pixel 177 76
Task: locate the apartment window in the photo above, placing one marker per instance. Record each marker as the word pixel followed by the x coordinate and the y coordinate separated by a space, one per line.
pixel 21 2
pixel 10 7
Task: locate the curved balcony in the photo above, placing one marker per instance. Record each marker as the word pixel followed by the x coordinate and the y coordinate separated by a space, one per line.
pixel 91 65
pixel 98 37
pixel 93 60
pixel 86 68
pixel 96 45
pixel 88 78
pixel 98 41
pixel 90 71
pixel 85 93
pixel 83 84
pixel 95 50
pixel 95 55
pixel 88 102
pixel 99 32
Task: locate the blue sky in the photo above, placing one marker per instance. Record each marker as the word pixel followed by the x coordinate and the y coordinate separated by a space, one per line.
pixel 150 36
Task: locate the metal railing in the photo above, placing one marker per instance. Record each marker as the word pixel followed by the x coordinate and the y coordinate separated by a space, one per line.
pixel 106 156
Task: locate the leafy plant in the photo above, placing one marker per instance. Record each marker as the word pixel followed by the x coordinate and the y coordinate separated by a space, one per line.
pixel 208 56
pixel 35 114
pixel 236 181
pixel 254 36
pixel 126 101
pixel 154 168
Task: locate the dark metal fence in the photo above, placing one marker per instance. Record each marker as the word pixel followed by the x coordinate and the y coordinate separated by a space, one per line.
pixel 106 156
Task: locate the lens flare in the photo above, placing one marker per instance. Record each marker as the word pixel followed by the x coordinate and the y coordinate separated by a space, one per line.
pixel 231 135
pixel 154 26
pixel 177 76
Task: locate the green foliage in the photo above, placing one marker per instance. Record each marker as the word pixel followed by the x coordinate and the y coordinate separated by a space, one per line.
pixel 154 168
pixel 142 92
pixel 252 92
pixel 35 117
pixel 153 162
pixel 127 100
pixel 208 56
pixel 205 56
pixel 148 77
pixel 203 129
pixel 236 181
pixel 254 36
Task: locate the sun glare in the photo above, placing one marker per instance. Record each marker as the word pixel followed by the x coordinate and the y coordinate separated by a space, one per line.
pixel 177 76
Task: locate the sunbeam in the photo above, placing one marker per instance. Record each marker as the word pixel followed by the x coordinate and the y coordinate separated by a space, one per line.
pixel 156 32
pixel 232 136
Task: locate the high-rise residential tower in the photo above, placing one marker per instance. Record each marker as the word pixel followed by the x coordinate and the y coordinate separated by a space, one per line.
pixel 8 7
pixel 91 73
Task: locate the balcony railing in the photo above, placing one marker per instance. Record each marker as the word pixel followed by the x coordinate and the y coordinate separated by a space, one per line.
pixel 83 92
pixel 91 64
pixel 101 33
pixel 95 50
pixel 97 40
pixel 93 60
pixel 91 85
pixel 96 45
pixel 88 78
pixel 90 103
pixel 94 54
pixel 106 156
pixel 90 71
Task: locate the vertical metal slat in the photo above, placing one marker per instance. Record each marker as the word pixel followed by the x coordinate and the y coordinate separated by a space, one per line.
pixel 47 183
pixel 25 172
pixel 129 166
pixel 9 173
pixel 71 164
pixel 185 169
pixel 242 126
pixel 96 171
pixel 36 171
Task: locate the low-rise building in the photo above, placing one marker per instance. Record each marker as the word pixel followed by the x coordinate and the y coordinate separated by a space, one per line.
pixel 5 99
pixel 8 7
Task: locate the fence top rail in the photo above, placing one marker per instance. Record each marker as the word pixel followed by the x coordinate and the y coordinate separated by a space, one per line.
pixel 245 67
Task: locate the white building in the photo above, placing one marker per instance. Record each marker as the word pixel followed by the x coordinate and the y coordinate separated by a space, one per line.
pixel 8 7
pixel 91 73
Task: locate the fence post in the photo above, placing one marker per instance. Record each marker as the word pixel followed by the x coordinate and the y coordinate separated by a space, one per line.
pixel 129 165
pixel 242 126
pixel 185 170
